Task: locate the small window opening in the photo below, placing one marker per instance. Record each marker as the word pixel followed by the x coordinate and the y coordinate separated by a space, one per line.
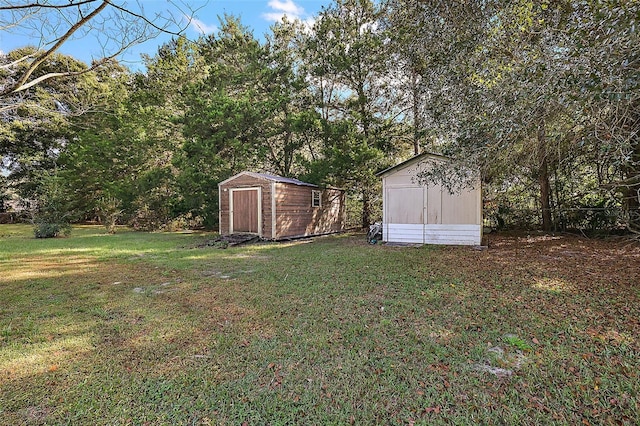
pixel 315 198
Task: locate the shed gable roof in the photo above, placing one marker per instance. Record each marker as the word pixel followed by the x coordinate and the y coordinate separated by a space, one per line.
pixel 271 178
pixel 411 161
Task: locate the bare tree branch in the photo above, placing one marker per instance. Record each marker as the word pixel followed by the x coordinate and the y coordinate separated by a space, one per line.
pixel 115 32
pixel 16 62
pixel 45 5
pixel 148 21
pixel 21 84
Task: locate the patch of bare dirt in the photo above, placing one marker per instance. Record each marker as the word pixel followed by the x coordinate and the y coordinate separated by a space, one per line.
pixel 36 414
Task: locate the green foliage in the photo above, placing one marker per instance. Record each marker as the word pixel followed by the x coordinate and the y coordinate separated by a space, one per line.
pixel 517 342
pixel 346 60
pixel 523 91
pixel 119 168
pixel 35 124
pixel 109 212
pixel 287 121
pixel 540 97
pixel 4 193
pixel 45 229
pixel 250 112
pixel 52 216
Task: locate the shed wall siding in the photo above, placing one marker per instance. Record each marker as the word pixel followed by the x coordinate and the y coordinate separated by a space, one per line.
pixel 296 217
pixel 453 234
pixel 414 213
pixel 405 204
pixel 460 208
pixel 403 233
pixel 432 234
pixel 434 204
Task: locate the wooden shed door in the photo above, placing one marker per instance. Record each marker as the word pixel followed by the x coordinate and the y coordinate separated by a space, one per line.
pixel 245 215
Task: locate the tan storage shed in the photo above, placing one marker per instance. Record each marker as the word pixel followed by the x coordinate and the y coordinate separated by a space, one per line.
pixel 428 214
pixel 276 208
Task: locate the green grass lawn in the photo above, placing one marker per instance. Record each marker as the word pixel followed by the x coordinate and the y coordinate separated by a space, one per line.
pixel 147 328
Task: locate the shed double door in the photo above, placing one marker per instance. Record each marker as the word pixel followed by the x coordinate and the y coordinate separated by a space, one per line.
pixel 245 215
pixel 411 213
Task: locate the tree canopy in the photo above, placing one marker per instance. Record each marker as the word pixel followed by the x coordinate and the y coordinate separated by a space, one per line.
pixel 540 97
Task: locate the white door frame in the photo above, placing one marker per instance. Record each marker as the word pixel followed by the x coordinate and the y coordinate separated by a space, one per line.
pixel 253 188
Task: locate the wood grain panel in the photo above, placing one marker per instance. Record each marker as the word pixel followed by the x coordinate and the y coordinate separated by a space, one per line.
pixel 245 211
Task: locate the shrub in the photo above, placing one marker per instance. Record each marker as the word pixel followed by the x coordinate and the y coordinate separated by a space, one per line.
pixel 52 216
pixel 51 230
pixel 109 212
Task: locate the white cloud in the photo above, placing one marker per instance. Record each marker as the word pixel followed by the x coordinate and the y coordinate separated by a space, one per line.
pixel 274 16
pixel 201 27
pixel 309 23
pixel 287 6
pixel 284 8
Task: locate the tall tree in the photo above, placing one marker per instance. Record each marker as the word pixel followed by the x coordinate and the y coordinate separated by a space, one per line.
pixel 250 112
pixel 102 163
pixel 288 122
pixel 607 71
pixel 122 159
pixel 158 102
pixel 222 123
pixel 40 128
pixel 428 49
pixel 527 53
pixel 346 55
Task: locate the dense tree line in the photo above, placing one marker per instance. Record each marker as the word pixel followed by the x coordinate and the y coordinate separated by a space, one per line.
pixel 540 97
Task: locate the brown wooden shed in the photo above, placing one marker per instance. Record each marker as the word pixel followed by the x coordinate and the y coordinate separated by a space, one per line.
pixel 276 208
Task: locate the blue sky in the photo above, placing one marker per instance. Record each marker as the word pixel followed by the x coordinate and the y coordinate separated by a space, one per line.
pixel 255 14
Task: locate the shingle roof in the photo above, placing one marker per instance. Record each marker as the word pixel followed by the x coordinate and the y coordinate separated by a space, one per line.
pixel 414 159
pixel 277 178
pixel 269 177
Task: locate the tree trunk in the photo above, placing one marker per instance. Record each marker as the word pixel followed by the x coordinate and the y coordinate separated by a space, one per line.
pixel 366 210
pixel 632 206
pixel 416 113
pixel 632 191
pixel 543 179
